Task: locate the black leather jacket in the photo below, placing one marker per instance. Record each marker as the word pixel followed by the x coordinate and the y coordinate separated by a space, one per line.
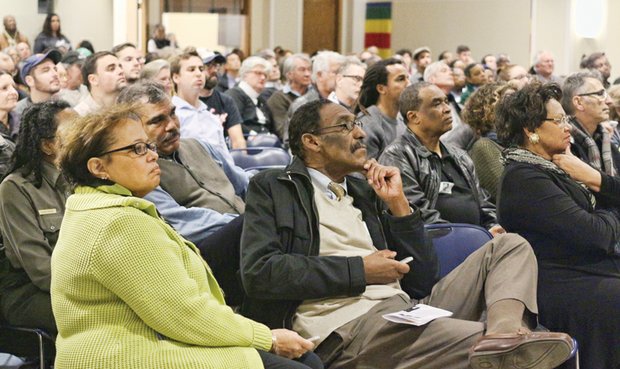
pixel 280 266
pixel 419 170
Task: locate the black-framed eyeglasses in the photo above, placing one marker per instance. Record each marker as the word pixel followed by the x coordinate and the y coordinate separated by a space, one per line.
pixel 601 94
pixel 357 79
pixel 139 148
pixel 563 120
pixel 347 126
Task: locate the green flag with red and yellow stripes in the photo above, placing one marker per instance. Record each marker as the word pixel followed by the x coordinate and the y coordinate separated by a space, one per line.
pixel 379 27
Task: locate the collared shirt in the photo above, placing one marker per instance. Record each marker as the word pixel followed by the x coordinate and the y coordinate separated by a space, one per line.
pixel 322 181
pixel 87 105
pixel 197 223
pixel 254 97
pixel 30 220
pixel 199 123
pixel 333 98
pixel 288 90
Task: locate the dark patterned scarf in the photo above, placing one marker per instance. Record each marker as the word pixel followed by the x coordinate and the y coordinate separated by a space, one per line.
pixel 582 138
pixel 526 156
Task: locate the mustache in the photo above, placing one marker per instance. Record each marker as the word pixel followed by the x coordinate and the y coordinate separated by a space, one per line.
pixel 357 145
pixel 172 135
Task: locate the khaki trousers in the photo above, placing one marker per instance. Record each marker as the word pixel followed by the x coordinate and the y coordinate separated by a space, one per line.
pixel 504 268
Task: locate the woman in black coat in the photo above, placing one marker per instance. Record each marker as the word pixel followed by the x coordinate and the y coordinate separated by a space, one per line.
pixel 572 226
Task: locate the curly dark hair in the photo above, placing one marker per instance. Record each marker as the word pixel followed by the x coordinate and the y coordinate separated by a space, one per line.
pixel 524 109
pixel 38 123
pixel 377 74
pixel 306 119
pixel 479 111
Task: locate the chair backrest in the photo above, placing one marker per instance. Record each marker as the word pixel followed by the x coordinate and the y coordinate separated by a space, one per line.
pixel 28 342
pixel 260 157
pixel 263 140
pixel 454 242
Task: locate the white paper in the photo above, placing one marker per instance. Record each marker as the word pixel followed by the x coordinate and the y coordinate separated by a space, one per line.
pixel 417 315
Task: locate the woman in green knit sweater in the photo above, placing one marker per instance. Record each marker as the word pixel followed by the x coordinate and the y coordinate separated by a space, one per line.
pixel 127 290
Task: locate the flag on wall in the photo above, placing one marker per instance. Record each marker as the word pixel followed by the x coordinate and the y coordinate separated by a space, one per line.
pixel 379 27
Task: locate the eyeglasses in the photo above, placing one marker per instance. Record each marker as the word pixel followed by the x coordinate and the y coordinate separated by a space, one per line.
pixel 348 126
pixel 600 94
pixel 259 73
pixel 357 79
pixel 140 148
pixel 563 120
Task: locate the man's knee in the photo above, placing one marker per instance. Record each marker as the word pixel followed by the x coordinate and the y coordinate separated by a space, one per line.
pixel 509 243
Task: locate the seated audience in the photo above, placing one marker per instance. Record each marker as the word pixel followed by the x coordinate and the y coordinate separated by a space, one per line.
pixel 254 111
pixel 219 104
pixel 161 43
pixel 325 65
pixel 349 80
pixel 485 152
pixel 40 74
pixel 377 107
pixel 103 75
pixel 329 273
pixel 230 77
pixel 474 77
pixel 158 71
pixel 297 69
pixel 586 101
pixel 75 91
pixel 32 204
pixel 200 194
pixel 8 101
pixel 51 37
pixel 575 240
pixel 438 178
pixel 196 119
pixel 126 281
pixel 515 74
pixel 130 58
pixel 11 36
pixel 543 67
pixel 597 61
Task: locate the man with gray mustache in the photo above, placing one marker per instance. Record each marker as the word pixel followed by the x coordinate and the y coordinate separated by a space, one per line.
pixel 200 193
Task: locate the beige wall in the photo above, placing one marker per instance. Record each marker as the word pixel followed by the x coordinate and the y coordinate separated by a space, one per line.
pixel 80 19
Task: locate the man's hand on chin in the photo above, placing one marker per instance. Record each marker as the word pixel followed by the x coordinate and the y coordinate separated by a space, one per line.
pixel 387 184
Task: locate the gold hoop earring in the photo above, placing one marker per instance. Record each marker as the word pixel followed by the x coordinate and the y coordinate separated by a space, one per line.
pixel 534 138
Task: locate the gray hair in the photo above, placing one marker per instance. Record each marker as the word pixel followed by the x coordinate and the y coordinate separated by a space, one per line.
pixel 349 62
pixel 572 86
pixel 322 60
pixel 433 69
pixel 152 68
pixel 144 88
pixel 539 55
pixel 250 62
pixel 289 63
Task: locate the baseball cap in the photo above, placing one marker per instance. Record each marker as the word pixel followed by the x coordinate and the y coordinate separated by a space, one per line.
pixel 72 57
pixel 420 50
pixel 208 56
pixel 36 59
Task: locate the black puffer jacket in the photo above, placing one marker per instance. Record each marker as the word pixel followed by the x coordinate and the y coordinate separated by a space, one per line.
pixel 420 171
pixel 280 266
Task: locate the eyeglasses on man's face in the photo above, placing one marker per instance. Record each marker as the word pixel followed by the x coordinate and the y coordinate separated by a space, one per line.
pixel 347 127
pixel 600 94
pixel 139 148
pixel 357 79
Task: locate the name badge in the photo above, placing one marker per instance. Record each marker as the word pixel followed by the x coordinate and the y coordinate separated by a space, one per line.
pixel 47 211
pixel 446 188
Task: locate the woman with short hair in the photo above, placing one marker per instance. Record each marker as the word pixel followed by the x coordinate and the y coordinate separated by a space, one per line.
pixel 128 291
pixel 568 211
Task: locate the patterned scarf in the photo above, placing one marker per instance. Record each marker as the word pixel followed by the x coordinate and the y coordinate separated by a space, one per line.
pixel 525 156
pixel 582 138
